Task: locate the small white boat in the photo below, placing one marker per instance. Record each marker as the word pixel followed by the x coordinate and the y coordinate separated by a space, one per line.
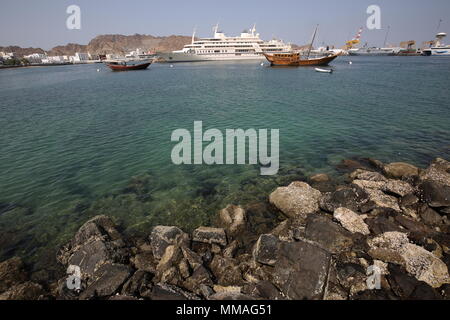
pixel 324 70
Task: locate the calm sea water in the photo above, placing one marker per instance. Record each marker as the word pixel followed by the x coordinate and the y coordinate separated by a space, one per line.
pixel 72 138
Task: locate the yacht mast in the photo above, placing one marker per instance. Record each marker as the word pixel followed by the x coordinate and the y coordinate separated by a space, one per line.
pixel 312 41
pixel 385 39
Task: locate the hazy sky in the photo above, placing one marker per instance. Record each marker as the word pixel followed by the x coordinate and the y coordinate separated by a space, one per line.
pixel 42 23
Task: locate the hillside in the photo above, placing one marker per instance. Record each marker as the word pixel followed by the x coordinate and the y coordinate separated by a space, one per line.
pixel 110 43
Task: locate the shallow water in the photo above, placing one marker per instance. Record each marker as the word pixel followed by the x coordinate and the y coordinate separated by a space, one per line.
pixel 71 137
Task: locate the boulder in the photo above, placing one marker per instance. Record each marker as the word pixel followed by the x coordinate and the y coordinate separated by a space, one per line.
pixel 429 216
pixel 106 281
pixel 435 194
pixel 351 221
pixel 232 219
pixel 139 284
pixel 296 200
pixel 199 279
pixel 329 235
pixel 96 243
pixel 438 171
pixel 301 269
pixel 361 174
pixel 210 235
pixel 164 236
pixel 265 249
pixel 394 247
pixel 399 170
pixel 12 272
pixel 318 178
pixel 144 261
pixel 348 197
pixel 168 268
pixel 226 271
pixel 408 287
pixel 378 199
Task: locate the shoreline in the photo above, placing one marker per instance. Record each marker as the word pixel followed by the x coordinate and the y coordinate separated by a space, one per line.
pixel 392 216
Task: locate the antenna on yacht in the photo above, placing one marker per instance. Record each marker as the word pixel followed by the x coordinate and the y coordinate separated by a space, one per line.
pixel 216 28
pixel 439 25
pixel 254 29
pixel 193 34
pixel 385 39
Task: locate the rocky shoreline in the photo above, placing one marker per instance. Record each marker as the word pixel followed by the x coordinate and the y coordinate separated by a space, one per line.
pixel 388 222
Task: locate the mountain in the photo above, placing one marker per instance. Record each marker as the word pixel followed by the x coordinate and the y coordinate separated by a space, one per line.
pixel 20 52
pixel 110 43
pixel 117 43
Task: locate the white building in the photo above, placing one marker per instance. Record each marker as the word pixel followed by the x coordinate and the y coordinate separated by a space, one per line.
pixel 36 57
pixel 79 57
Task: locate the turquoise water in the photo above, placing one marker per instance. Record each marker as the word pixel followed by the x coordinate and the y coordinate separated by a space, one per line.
pixel 72 138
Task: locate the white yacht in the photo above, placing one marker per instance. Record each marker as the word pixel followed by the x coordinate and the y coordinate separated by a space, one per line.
pixel 247 46
pixel 439 48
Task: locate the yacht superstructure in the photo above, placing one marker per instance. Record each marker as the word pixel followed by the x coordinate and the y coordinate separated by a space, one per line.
pixel 247 46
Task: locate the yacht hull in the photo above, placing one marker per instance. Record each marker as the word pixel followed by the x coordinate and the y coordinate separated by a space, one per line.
pixel 189 57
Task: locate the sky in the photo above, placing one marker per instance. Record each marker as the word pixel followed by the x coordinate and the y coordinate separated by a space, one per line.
pixel 42 23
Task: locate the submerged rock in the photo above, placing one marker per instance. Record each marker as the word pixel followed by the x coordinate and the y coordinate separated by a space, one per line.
pixel 400 170
pixel 233 219
pixel 394 247
pixel 12 272
pixel 296 200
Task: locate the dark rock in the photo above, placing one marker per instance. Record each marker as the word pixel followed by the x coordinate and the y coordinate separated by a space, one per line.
pixel 144 261
pixel 138 284
pixel 328 234
pixel 164 236
pixel 301 270
pixel 226 271
pixel 408 287
pixel 435 194
pixel 265 250
pixel 200 278
pixel 210 235
pixel 106 281
pixel 96 243
pixel 12 272
pixel 24 291
pixel 263 289
pixel 351 198
pixel 412 225
pixel 381 224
